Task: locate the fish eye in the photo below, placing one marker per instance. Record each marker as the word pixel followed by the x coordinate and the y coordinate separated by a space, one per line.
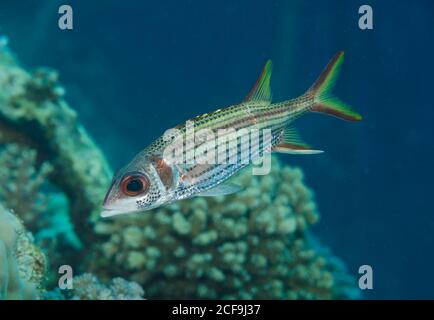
pixel 135 184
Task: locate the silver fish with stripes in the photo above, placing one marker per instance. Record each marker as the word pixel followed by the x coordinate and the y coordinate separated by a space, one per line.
pixel 197 157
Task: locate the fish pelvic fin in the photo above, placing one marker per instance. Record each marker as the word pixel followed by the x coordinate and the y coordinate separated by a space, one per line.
pixel 324 101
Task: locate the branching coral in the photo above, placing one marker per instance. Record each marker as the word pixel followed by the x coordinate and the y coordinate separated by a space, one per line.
pixel 22 264
pixel 26 191
pixel 22 181
pixel 88 287
pixel 33 112
pixel 42 140
pixel 250 245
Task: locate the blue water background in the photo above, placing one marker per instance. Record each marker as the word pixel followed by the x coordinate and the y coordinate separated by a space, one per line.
pixel 135 68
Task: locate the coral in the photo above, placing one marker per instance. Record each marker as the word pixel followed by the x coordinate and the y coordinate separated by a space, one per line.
pixel 88 287
pixel 253 244
pixel 22 182
pixel 60 175
pixel 34 113
pixel 26 191
pixel 22 264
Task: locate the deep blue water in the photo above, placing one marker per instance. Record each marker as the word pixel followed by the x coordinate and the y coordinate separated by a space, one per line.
pixel 133 69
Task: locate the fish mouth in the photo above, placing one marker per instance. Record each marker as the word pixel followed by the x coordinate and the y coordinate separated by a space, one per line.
pixel 123 208
pixel 113 212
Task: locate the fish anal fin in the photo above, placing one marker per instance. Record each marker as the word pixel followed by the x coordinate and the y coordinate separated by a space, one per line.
pixel 291 143
pixel 291 136
pixel 261 90
pixel 294 149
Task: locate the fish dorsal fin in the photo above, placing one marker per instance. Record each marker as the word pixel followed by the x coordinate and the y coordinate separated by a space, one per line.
pixel 261 90
pixel 291 143
pixel 221 190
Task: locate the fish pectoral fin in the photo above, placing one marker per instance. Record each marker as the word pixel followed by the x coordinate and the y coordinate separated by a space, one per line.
pixel 291 143
pixel 261 90
pixel 221 190
pixel 189 173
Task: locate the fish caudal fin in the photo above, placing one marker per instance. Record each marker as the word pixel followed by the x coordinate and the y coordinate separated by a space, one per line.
pixel 324 101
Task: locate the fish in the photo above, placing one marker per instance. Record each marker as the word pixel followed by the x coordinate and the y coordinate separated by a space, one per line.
pixel 156 177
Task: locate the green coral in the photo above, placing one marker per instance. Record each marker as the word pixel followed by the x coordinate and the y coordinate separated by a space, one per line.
pixel 22 264
pixel 34 113
pixel 58 160
pixel 23 180
pixel 252 245
pixel 27 192
pixel 88 287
